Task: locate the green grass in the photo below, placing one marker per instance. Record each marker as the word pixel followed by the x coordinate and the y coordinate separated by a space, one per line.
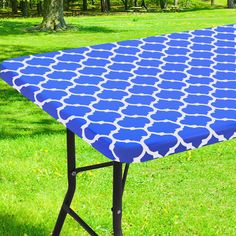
pixel 191 193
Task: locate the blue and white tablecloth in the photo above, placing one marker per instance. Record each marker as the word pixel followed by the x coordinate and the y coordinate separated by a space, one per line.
pixel 141 99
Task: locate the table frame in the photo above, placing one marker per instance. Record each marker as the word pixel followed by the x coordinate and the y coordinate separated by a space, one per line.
pixel 119 180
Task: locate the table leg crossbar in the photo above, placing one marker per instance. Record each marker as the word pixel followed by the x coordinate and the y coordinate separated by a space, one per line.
pixel 119 179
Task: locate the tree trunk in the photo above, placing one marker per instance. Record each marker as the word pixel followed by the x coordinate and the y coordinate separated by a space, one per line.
pixel 230 3
pixel 24 8
pixel 14 6
pixel 40 8
pixel 109 5
pixel 143 4
pixel 104 6
pixel 53 18
pixel 66 5
pixel 212 2
pixel 162 4
pixel 85 5
pixel 176 3
pixel 126 4
pixel 31 4
pixel 135 3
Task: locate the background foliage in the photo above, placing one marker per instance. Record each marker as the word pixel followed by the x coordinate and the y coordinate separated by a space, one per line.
pixel 78 7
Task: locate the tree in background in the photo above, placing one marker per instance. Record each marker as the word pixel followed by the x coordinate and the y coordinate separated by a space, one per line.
pixel 85 5
pixel 40 8
pixel 230 3
pixel 125 2
pixel 53 18
pixel 105 5
pixel 143 4
pixel 52 10
pixel 163 4
pixel 24 8
pixel 14 6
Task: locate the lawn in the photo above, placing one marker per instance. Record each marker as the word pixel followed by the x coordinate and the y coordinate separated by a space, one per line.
pixel 192 193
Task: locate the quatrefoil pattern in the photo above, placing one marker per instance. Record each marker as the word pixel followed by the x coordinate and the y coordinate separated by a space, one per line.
pixel 142 99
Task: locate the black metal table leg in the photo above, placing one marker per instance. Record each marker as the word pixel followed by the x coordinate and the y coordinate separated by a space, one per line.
pixel 119 180
pixel 125 177
pixel 117 198
pixel 71 164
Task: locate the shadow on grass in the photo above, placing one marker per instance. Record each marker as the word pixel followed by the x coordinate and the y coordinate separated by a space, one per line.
pixel 202 9
pixel 25 27
pixel 12 51
pixel 14 27
pixel 94 29
pixel 19 117
pixel 10 226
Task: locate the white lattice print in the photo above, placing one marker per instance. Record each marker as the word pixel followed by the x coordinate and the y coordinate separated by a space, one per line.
pixel 141 99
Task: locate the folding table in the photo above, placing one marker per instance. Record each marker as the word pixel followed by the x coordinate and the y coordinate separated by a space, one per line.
pixel 135 100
